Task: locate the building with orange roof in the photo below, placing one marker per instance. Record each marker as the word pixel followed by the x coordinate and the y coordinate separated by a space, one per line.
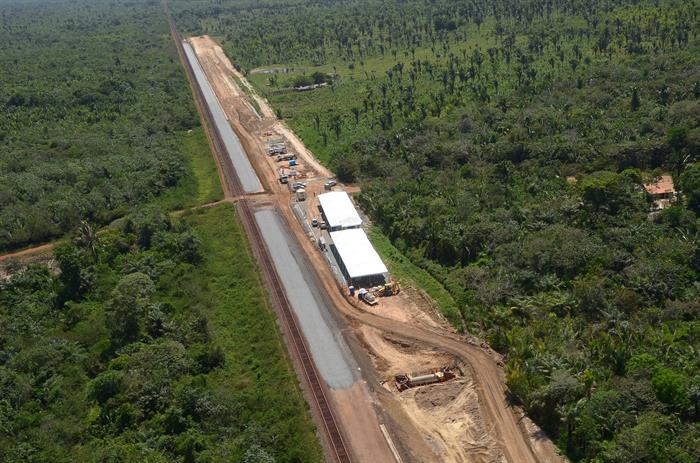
pixel 662 192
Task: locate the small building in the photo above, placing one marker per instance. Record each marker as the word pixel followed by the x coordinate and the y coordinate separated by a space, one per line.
pixel 357 259
pixel 662 192
pixel 338 211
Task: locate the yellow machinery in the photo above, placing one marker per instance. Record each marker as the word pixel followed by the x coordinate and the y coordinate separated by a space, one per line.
pixel 389 289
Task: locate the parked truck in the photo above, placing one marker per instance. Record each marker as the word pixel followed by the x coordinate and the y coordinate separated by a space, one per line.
pixel 409 380
pixel 284 176
pixel 366 297
pixel 285 157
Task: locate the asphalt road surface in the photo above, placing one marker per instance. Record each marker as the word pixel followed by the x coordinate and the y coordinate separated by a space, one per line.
pixel 245 171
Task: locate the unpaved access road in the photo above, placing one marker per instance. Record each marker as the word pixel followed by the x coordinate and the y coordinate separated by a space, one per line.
pixel 346 390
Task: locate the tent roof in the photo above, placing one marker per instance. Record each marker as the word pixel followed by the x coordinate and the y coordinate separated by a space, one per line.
pixel 339 210
pixel 358 255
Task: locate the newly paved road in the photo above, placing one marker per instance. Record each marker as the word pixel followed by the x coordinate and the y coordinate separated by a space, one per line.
pixel 245 171
pixel 329 351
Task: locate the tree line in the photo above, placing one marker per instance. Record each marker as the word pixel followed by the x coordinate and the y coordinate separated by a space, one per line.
pixel 134 350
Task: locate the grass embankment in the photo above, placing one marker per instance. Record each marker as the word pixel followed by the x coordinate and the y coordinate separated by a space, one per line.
pixel 249 94
pixel 201 185
pixel 228 289
pixel 406 272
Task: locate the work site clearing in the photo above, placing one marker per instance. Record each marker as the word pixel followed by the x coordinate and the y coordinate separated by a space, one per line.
pixel 464 419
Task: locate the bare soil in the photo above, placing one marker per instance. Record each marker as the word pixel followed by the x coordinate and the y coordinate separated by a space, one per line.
pixel 17 262
pixel 447 415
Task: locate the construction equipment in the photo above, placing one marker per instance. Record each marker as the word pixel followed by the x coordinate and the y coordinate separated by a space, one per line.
pixel 285 157
pixel 284 176
pixel 409 380
pixel 301 194
pixel 367 297
pixel 276 147
pixel 389 289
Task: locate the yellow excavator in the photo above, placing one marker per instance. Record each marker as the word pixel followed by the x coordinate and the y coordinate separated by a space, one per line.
pixel 389 289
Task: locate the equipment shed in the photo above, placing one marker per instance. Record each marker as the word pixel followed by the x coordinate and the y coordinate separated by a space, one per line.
pixel 338 211
pixel 359 262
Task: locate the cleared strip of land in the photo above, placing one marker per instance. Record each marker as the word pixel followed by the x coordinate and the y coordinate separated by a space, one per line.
pixel 248 178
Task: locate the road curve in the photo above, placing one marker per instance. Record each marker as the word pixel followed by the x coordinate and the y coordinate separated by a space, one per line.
pixel 487 375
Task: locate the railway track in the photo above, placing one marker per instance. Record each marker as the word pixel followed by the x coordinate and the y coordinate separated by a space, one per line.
pixel 338 450
pixel 279 297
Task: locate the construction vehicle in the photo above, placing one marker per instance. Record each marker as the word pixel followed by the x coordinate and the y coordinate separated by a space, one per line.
pixel 409 380
pixel 285 157
pixel 276 147
pixel 284 176
pixel 367 297
pixel 301 194
pixel 391 288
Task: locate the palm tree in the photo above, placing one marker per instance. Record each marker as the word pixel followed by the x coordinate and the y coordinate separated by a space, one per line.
pixel 356 112
pixel 88 240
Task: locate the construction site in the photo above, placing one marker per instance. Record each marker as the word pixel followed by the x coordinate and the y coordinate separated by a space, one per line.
pixel 387 379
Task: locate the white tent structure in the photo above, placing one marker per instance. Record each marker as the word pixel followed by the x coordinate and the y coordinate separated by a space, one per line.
pixel 359 262
pixel 338 211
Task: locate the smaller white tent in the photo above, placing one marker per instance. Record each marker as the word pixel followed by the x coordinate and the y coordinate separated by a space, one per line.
pixel 339 211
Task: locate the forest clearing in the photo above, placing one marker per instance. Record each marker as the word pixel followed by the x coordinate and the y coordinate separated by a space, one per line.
pixel 504 150
pixel 253 131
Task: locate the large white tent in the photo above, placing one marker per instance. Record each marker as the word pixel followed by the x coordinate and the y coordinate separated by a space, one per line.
pixel 339 211
pixel 359 261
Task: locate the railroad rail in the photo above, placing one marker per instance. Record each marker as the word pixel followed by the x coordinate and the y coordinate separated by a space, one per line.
pixel 337 448
pixel 232 183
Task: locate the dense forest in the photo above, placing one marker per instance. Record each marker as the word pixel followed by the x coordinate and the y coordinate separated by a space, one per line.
pixel 503 146
pixel 153 343
pixel 94 108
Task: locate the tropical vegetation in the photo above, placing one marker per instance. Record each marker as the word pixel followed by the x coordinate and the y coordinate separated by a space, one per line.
pixel 95 112
pixel 153 342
